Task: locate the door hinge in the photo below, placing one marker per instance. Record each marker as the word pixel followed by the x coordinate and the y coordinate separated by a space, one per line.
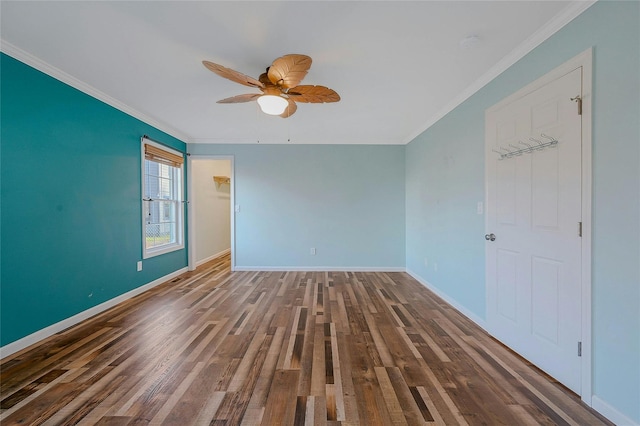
pixel 579 229
pixel 579 348
pixel 578 99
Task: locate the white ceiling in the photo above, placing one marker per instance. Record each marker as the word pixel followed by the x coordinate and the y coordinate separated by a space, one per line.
pixel 398 66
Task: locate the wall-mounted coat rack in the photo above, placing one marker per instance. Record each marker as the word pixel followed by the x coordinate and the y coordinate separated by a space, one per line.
pixel 537 145
pixel 220 180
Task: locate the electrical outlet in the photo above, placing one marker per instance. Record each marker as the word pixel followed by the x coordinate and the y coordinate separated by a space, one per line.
pixel 313 251
pixel 426 262
pixel 139 265
pixel 480 207
pixel 435 266
pixel 237 208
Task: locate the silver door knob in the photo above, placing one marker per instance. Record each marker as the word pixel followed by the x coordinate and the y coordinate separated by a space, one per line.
pixel 490 237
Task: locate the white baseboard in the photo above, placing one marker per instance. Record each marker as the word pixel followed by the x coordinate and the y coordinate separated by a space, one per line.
pixel 205 260
pixel 49 331
pixel 322 268
pixel 464 311
pixel 611 413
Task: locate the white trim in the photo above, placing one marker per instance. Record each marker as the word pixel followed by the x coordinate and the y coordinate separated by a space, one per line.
pixel 611 413
pixel 584 60
pixel 454 303
pixel 222 253
pixel 323 268
pixel 180 219
pixel 574 9
pixel 191 235
pixel 40 65
pixel 191 224
pixel 49 331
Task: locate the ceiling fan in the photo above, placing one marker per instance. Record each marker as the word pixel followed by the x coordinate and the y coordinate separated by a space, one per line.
pixel 279 85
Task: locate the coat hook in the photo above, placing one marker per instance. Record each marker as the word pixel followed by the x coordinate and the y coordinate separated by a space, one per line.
pixel 539 147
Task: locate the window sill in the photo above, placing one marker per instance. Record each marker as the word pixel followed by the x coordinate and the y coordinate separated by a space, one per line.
pixel 147 254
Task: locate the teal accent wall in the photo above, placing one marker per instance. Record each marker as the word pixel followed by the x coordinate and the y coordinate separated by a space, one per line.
pixel 445 180
pixel 71 202
pixel 346 201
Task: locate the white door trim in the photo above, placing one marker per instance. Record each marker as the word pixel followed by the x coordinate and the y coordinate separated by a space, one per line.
pixel 584 60
pixel 191 209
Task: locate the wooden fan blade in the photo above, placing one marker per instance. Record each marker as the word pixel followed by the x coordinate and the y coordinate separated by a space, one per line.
pixel 291 109
pixel 232 75
pixel 240 98
pixel 313 94
pixel 289 70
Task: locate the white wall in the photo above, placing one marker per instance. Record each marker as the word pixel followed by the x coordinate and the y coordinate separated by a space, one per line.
pixel 210 202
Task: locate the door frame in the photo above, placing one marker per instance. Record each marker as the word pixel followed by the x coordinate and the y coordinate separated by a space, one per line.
pixel 584 60
pixel 191 222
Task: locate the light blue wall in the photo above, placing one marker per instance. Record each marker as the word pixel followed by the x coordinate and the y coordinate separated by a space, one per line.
pixel 445 180
pixel 71 214
pixel 346 201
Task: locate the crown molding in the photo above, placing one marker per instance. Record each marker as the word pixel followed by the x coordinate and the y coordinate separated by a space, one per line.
pixel 42 66
pixel 567 15
pixel 293 141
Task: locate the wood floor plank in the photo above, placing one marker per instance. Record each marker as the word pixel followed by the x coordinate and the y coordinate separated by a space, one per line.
pixel 215 347
pixel 433 411
pixel 390 397
pixel 282 400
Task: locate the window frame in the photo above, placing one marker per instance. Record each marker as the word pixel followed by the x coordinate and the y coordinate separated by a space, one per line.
pixel 178 187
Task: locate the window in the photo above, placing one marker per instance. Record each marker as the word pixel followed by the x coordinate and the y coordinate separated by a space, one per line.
pixel 162 209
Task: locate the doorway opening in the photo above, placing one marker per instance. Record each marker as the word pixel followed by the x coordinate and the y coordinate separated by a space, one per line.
pixel 211 200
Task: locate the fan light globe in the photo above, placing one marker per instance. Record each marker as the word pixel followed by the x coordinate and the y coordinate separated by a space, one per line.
pixel 272 105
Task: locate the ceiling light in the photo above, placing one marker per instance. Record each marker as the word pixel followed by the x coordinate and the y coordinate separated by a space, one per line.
pixel 272 105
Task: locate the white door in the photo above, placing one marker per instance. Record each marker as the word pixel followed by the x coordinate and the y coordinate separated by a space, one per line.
pixel 534 211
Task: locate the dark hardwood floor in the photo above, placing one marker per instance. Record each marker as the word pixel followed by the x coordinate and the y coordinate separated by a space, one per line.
pixel 291 348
